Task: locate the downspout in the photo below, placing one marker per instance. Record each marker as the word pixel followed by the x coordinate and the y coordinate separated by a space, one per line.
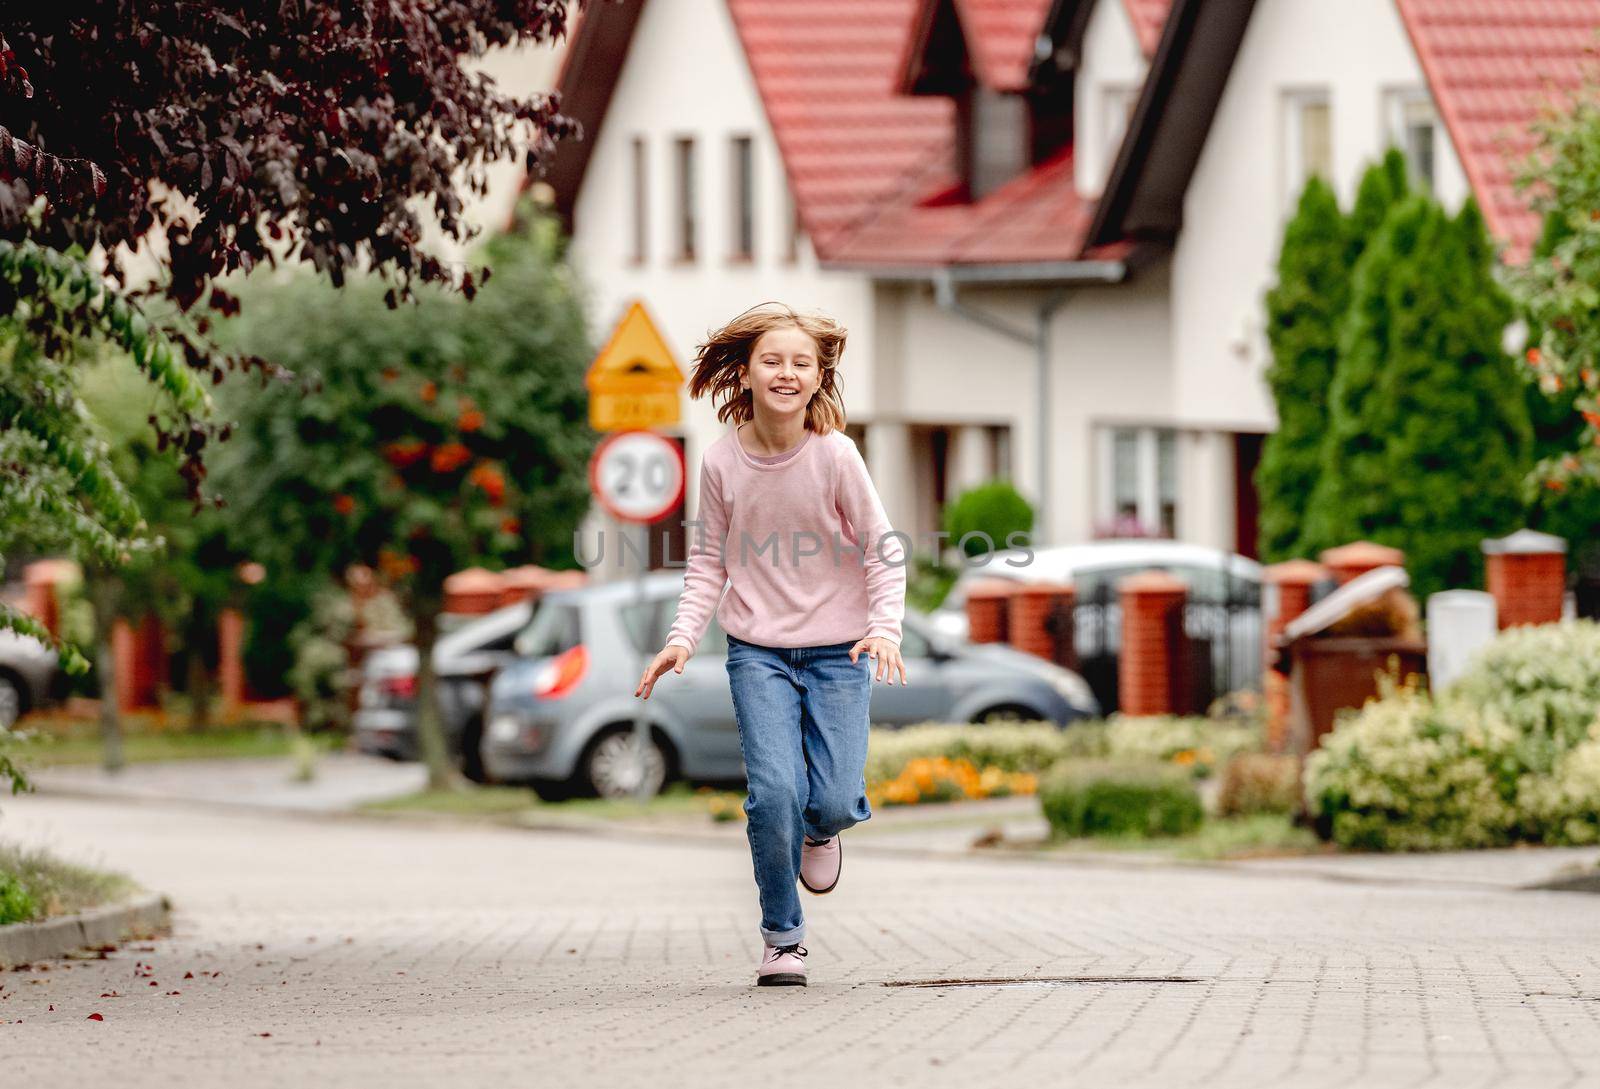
pixel 947 296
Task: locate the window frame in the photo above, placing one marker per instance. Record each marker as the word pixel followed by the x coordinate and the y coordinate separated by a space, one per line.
pixel 640 163
pixel 1394 103
pixel 686 242
pixel 1293 174
pixel 742 207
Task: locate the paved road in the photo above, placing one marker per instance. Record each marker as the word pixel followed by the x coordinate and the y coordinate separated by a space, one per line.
pixel 377 954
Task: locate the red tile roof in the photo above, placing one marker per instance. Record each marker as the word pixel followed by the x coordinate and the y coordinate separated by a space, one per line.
pixel 1036 217
pixel 863 160
pixel 825 71
pixel 1148 17
pixel 1491 64
pixel 1001 35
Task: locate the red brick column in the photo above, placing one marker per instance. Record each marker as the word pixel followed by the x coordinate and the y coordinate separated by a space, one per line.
pixel 1028 621
pixel 1293 580
pixel 1150 664
pixel 230 661
pixel 42 600
pixel 1357 558
pixel 1527 574
pixel 988 610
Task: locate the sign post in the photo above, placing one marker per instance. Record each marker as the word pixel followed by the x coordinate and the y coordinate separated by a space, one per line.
pixel 636 475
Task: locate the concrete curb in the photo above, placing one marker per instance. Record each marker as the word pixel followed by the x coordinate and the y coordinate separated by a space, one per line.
pixel 143 916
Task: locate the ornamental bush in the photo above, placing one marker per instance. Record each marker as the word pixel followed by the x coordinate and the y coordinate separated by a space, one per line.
pixel 1027 746
pixel 995 509
pixel 1259 782
pixel 1110 799
pixel 1511 752
pixel 1199 744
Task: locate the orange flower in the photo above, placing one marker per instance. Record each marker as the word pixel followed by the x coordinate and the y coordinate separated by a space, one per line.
pixel 488 478
pixel 401 454
pixel 511 525
pixel 395 565
pixel 429 393
pixel 450 457
pixel 1555 485
pixel 1534 355
pixel 1592 417
pixel 470 420
pixel 343 503
pixel 390 374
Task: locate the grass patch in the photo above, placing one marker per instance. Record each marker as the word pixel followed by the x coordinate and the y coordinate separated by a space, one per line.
pixel 1261 835
pixel 34 886
pixel 56 742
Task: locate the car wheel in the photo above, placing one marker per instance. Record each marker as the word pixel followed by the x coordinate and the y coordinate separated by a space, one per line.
pixel 10 701
pixel 472 751
pixel 612 765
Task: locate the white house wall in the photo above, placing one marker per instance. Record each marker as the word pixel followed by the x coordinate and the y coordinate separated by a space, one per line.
pixel 1236 205
pixel 1111 61
pixel 686 76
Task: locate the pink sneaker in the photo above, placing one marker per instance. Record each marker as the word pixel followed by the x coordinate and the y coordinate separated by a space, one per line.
pixel 782 966
pixel 821 861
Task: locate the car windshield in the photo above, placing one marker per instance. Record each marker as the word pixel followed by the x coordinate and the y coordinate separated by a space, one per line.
pixel 554 629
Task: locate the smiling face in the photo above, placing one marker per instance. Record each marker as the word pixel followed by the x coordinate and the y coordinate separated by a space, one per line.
pixel 783 372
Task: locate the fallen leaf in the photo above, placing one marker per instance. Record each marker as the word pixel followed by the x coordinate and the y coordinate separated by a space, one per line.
pixel 95 1017
pixel 188 975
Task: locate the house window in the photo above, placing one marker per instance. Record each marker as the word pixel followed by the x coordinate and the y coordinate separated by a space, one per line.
pixel 686 198
pixel 994 139
pixel 791 227
pixel 1138 491
pixel 641 220
pixel 1000 450
pixel 1308 141
pixel 1412 124
pixel 744 197
pixel 1116 110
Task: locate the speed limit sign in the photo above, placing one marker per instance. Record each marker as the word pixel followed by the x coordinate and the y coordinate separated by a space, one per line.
pixel 637 476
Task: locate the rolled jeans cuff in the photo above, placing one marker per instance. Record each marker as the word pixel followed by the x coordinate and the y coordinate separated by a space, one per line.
pixel 779 938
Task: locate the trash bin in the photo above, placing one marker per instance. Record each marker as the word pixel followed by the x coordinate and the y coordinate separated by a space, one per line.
pixel 1336 649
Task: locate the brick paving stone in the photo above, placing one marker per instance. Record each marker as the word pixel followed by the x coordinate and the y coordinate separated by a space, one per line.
pixel 378 953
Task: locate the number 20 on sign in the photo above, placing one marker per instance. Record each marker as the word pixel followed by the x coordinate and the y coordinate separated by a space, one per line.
pixel 637 476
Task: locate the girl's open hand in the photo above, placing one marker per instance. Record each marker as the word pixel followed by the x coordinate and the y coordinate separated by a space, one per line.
pixel 671 657
pixel 886 652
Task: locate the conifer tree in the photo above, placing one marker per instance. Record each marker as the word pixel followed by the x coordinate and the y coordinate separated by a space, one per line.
pixel 1428 433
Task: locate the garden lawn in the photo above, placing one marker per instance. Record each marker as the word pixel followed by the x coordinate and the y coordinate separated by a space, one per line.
pixel 35 886
pixel 56 742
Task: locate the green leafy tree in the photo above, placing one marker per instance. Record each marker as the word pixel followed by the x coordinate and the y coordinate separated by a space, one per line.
pixel 1428 433
pixel 1303 313
pixel 441 435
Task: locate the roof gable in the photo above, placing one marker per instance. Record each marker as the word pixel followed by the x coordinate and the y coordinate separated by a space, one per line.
pixel 991 41
pixel 1149 17
pixel 1490 68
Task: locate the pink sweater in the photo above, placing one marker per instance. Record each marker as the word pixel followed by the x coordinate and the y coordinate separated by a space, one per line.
pixel 800 544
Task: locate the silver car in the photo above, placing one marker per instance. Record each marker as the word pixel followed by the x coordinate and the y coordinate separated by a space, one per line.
pixel 560 718
pixel 30 676
pixel 386 715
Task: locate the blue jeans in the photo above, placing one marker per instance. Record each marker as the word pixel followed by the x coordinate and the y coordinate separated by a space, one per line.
pixel 802 714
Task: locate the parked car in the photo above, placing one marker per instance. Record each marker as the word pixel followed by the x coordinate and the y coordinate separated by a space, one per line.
pixel 1225 603
pixel 30 676
pixel 561 717
pixel 385 720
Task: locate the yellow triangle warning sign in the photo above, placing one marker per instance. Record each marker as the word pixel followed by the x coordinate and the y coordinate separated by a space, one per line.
pixel 634 382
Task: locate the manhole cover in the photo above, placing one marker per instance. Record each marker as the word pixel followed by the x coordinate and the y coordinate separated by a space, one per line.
pixel 1039 981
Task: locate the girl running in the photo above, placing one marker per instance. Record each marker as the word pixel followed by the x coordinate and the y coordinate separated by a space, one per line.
pixel 791 525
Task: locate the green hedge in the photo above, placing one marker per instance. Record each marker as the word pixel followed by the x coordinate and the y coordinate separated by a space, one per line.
pixel 1027 746
pixel 1108 799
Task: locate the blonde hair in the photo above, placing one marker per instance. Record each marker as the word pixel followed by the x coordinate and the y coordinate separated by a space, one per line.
pixel 725 350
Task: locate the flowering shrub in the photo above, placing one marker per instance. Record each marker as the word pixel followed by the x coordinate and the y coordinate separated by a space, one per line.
pixel 1258 782
pixel 1198 744
pixel 942 779
pixel 1404 775
pixel 1031 746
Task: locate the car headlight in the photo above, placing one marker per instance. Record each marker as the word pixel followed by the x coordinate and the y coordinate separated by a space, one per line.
pixel 504 729
pixel 1073 689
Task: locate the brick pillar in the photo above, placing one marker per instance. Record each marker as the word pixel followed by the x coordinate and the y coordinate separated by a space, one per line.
pixel 230 661
pixel 1527 575
pixel 1032 618
pixel 1293 580
pixel 988 610
pixel 41 598
pixel 1150 667
pixel 1348 561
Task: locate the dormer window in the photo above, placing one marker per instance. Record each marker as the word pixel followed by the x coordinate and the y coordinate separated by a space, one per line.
pixel 992 141
pixel 1005 122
